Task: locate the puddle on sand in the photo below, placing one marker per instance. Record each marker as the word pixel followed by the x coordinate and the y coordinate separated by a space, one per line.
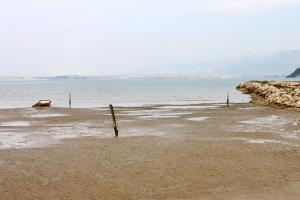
pixel 271 124
pixel 15 123
pixel 267 121
pixel 17 140
pixel 191 107
pixel 252 108
pixel 76 132
pixel 47 115
pixel 260 141
pixel 135 132
pixel 47 136
pixel 153 117
pixel 199 119
pixel 154 112
pixel 263 141
pixel 12 140
pixel 291 135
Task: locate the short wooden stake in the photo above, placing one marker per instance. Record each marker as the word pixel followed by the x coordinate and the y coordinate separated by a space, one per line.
pixel 114 120
pixel 70 100
pixel 227 102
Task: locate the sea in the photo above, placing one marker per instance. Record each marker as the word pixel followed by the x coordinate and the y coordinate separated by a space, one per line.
pixel 120 92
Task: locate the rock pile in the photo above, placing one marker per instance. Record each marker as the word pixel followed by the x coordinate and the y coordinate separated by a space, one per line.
pixel 278 93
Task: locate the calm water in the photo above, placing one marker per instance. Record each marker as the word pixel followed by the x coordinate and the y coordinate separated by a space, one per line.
pixel 99 93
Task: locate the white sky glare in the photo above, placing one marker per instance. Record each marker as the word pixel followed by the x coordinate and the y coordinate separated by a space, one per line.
pixel 89 37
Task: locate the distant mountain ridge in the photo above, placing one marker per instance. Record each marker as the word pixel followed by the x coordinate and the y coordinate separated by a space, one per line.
pixel 295 74
pixel 64 77
pixel 277 64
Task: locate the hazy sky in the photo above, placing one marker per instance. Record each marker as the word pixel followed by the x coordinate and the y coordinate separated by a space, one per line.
pixel 96 37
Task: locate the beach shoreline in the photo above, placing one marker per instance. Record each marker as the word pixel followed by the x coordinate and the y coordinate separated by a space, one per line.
pixel 205 151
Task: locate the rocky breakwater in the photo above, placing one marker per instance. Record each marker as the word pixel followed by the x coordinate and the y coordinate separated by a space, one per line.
pixel 273 93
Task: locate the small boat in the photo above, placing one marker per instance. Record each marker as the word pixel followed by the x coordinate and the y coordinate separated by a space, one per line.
pixel 42 103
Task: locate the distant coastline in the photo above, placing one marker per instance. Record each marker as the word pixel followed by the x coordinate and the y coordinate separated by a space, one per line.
pixel 141 76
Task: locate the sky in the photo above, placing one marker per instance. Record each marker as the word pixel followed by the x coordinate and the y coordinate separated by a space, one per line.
pixel 109 37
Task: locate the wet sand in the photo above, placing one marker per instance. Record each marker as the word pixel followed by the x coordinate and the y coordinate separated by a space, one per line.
pixel 163 152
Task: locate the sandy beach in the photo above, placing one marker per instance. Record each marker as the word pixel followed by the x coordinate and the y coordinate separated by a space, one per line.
pixel 205 151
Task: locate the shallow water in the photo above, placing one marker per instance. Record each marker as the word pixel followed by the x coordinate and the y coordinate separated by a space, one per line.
pixel 132 92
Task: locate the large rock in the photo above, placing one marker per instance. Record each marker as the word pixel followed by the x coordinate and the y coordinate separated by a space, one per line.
pixel 279 93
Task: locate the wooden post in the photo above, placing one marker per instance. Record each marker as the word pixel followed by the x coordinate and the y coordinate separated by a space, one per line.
pixel 70 100
pixel 227 102
pixel 114 120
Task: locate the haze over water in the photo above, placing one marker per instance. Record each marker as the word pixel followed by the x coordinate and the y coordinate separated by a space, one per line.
pixel 131 92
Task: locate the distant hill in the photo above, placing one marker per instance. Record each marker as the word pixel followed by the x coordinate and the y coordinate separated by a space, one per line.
pixel 295 74
pixel 277 64
pixel 64 77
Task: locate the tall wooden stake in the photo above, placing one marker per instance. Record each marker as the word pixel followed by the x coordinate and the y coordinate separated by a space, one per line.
pixel 70 100
pixel 227 102
pixel 114 120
